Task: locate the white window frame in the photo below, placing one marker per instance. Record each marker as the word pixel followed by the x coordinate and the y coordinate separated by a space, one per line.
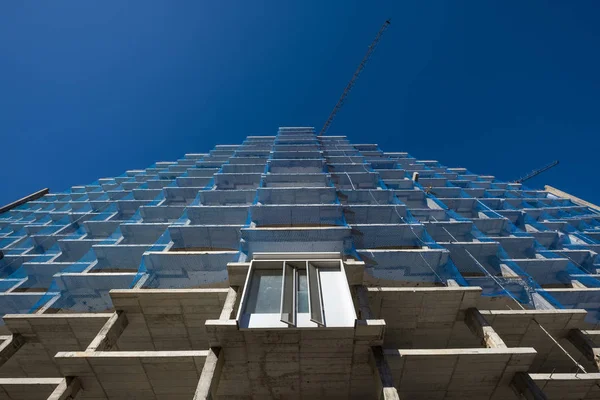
pixel 288 317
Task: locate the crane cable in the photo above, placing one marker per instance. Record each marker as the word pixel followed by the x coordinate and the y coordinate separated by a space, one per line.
pixel 350 84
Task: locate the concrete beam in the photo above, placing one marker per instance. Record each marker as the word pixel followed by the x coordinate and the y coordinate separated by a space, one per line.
pixel 585 345
pixel 364 310
pixel 134 374
pixel 210 376
pixel 567 385
pixel 110 332
pixel 229 305
pixel 66 390
pixel 10 346
pixel 577 285
pixel 29 388
pixel 483 330
pixel 31 197
pixel 524 385
pixel 591 333
pixel 574 199
pixel 384 382
pixel 237 272
pixel 355 271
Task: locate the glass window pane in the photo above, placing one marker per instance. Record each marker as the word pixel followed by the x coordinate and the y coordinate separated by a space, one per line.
pixel 316 304
pixel 288 314
pixel 302 292
pixel 265 292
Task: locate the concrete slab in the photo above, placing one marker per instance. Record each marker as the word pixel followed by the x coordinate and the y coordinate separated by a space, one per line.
pixel 296 239
pixel 205 237
pixel 226 197
pixel 457 373
pixel 319 195
pixel 57 331
pixel 449 231
pixel 297 215
pixel 421 317
pixel 143 233
pixel 121 256
pixel 121 375
pixel 388 236
pixel 419 267
pixel 186 269
pixel 44 335
pixel 586 298
pixel 167 319
pixel 540 329
pixel 545 271
pixel 28 388
pixel 565 386
pixel 217 215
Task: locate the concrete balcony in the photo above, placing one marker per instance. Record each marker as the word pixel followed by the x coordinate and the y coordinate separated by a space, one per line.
pixel 204 172
pixel 375 214
pixel 74 250
pixel 239 169
pixel 307 195
pixel 142 233
pixel 356 180
pixel 186 269
pixel 387 236
pixel 297 215
pixel 237 181
pixel 295 180
pixel 226 197
pixel 404 267
pixel 547 272
pixel 366 196
pixel 193 181
pixel 161 213
pixel 296 239
pixel 88 292
pixel 296 154
pixel 119 257
pixel 181 195
pixel 205 237
pixel 248 160
pixel 217 215
pixel 293 166
pixel 449 231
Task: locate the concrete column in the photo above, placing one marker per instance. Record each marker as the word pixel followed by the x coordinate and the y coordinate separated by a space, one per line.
pixel 452 283
pixel 229 306
pixel 67 390
pixel 211 373
pixel 585 345
pixel 482 329
pixel 10 346
pixel 524 385
pixel 363 303
pixel 577 285
pixel 383 375
pixel 110 332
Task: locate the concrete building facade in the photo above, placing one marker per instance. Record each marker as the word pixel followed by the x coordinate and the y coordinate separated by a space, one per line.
pixel 297 266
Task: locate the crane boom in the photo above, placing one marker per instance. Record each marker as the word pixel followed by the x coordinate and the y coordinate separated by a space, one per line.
pixel 361 66
pixel 536 172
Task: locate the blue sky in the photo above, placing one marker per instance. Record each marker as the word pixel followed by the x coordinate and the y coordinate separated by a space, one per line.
pixel 91 89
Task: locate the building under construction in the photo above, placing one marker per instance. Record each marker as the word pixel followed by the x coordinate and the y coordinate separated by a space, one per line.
pixel 300 266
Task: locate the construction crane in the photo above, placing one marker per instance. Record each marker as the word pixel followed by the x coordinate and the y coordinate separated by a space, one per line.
pixel 361 66
pixel 536 172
